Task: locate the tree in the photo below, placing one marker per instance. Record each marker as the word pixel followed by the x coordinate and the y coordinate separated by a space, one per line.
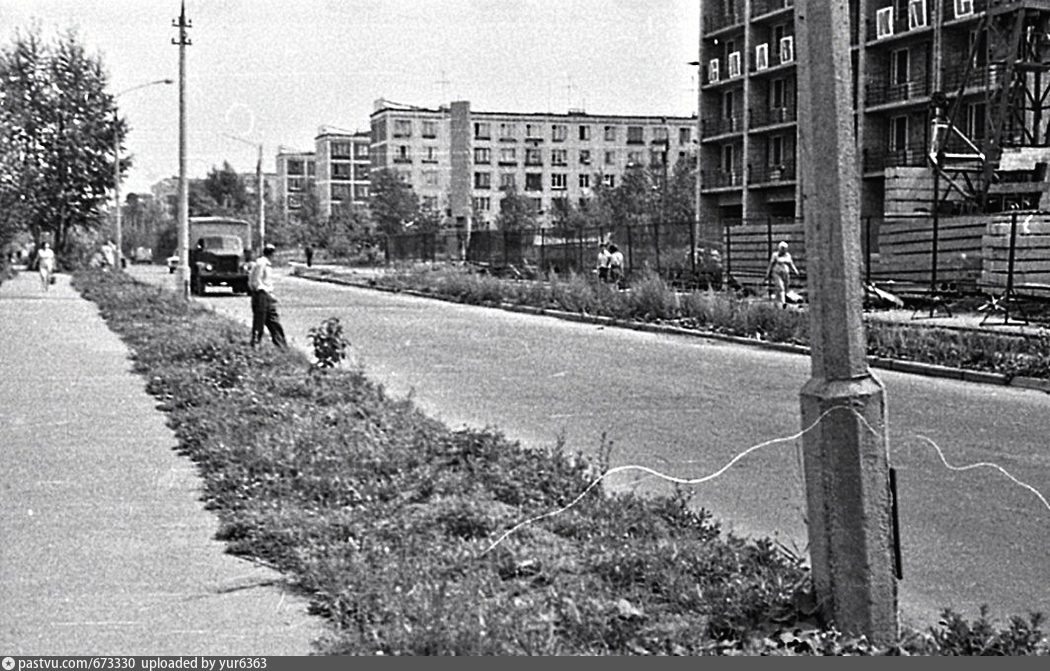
pixel 56 138
pixel 393 203
pixel 515 211
pixel 226 189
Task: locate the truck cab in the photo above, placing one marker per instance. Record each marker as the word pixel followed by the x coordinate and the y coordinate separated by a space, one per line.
pixel 217 257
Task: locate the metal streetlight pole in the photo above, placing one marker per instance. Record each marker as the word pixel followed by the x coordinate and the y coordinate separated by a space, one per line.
pixel 119 233
pixel 261 202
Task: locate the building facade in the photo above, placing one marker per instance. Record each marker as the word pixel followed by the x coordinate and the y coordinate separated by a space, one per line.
pixel 905 53
pixel 296 176
pixel 460 162
pixel 342 169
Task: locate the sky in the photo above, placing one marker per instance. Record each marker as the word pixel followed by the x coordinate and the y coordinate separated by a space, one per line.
pixel 274 72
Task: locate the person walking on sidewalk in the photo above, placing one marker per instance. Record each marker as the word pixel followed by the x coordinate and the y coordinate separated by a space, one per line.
pixel 264 303
pixel 45 265
pixel 780 268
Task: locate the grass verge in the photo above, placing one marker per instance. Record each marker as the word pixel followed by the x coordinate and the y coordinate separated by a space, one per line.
pixel 386 518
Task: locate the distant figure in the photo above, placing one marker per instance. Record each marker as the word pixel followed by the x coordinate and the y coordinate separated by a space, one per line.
pixel 264 303
pixel 45 264
pixel 615 264
pixel 603 262
pixel 780 268
pixel 108 255
pixel 309 251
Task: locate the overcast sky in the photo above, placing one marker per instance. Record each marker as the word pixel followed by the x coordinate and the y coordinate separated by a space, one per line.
pixel 275 71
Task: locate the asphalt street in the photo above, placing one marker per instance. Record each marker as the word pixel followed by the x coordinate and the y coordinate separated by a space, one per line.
pixel 686 406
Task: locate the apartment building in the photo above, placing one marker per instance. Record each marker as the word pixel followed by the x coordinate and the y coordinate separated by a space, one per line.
pixel 904 53
pixel 342 168
pixel 296 175
pixel 460 162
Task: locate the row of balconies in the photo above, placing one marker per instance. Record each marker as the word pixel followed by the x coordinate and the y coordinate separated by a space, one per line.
pixel 756 174
pixel 758 118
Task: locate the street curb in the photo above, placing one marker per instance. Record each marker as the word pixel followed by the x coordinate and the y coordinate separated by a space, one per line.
pixel 897 365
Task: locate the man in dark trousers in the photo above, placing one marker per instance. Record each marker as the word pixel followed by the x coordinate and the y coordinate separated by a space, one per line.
pixel 264 304
pixel 309 256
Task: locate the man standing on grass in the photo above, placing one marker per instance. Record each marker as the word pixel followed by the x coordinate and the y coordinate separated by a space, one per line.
pixel 264 304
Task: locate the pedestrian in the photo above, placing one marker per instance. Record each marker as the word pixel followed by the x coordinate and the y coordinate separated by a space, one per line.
pixel 264 303
pixel 45 264
pixel 309 251
pixel 779 271
pixel 108 254
pixel 615 264
pixel 603 262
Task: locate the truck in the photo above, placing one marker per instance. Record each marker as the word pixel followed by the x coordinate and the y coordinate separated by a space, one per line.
pixel 217 253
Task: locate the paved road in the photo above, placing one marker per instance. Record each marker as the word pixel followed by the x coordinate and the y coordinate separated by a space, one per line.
pixel 688 405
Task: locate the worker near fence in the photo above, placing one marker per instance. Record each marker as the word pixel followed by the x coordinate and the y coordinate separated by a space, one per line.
pixel 781 266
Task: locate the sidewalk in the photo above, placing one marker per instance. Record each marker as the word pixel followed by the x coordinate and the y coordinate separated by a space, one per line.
pixel 106 549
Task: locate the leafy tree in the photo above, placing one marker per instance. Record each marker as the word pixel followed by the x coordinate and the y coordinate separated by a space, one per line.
pixel 515 212
pixel 393 203
pixel 56 138
pixel 226 189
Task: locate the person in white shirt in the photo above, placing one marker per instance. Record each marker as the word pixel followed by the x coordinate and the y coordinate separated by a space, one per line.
pixel 615 264
pixel 264 304
pixel 45 264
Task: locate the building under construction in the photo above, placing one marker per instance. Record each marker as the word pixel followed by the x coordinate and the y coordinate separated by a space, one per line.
pixel 952 101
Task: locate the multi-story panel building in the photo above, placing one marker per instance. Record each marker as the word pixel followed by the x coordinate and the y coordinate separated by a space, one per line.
pixel 904 53
pixel 461 162
pixel 343 168
pixel 296 175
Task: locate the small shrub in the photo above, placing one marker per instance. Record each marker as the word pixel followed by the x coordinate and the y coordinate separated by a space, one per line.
pixel 329 343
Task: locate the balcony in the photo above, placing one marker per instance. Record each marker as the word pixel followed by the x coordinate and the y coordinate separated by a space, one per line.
pixel 981 77
pixel 759 8
pixel 901 25
pixel 771 116
pixel 771 174
pixel 881 93
pixel 717 179
pixel 723 18
pixel 722 125
pixel 951 13
pixel 912 155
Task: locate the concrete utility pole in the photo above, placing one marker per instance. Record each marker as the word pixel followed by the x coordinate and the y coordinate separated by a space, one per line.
pixel 846 456
pixel 261 199
pixel 184 192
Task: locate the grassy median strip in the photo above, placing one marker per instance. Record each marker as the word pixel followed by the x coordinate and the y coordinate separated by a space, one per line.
pixel 385 517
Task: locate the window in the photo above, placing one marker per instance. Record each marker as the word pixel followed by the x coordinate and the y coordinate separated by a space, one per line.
pixel 660 134
pixel 776 95
pixel 483 204
pixel 534 181
pixel 787 49
pixel 559 157
pixel 430 203
pixel 585 157
pixel 533 156
pixel 508 131
pixel 559 180
pixel 340 192
pixel 311 168
pixel 609 181
pixel 482 180
pixel 403 155
pixel 899 67
pixel 360 192
pixel 559 132
pixel 430 177
pixel 295 184
pixel 533 131
pixel 585 133
pixel 294 202
pixel 508 156
pixel 430 154
pixel 341 171
pixel 508 180
pixel 482 131
pixel 898 133
pixel 405 176
pixel 402 128
pixel 916 14
pixel 734 64
pixel 295 167
pixel 762 57
pixel 685 135
pixel 610 133
pixel 610 158
pixel 656 157
pixel 361 172
pixel 963 8
pixel 341 150
pixel 585 181
pixel 429 128
pixel 635 135
pixel 884 22
pixel 535 205
pixel 776 151
pixel 727 106
pixel 634 157
pixel 975 121
pixel 360 150
pixel 482 155
pixel 727 158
